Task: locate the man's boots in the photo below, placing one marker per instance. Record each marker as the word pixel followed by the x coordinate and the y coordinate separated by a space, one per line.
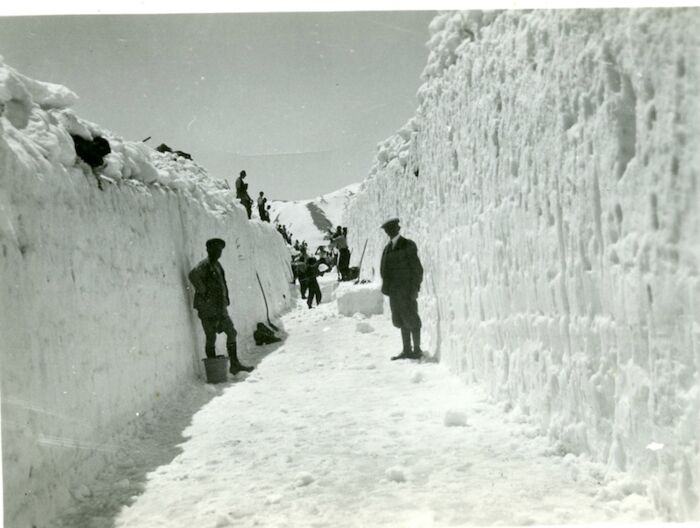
pixel 406 338
pixel 235 366
pixel 417 352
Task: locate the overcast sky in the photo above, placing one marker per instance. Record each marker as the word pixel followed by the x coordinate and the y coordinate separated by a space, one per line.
pixel 299 100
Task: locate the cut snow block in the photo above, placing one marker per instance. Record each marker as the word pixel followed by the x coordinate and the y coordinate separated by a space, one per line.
pixel 360 298
pixel 328 290
pixel 364 327
pixel 396 474
pixel 455 418
pixel 216 368
pixel 304 479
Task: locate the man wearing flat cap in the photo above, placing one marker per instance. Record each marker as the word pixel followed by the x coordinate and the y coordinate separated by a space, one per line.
pixel 211 301
pixel 402 274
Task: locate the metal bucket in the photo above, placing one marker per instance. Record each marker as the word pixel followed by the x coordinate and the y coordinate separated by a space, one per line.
pixel 216 369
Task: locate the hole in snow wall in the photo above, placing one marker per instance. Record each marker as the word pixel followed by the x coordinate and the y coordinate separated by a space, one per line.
pixel 558 226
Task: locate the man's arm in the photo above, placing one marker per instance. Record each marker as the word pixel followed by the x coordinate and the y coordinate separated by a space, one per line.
pixel 195 277
pixel 415 266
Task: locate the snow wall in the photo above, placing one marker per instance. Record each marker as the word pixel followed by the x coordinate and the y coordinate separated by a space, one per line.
pixel 550 180
pixel 96 310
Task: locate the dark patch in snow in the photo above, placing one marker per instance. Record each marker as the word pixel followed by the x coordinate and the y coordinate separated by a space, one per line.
pixel 319 218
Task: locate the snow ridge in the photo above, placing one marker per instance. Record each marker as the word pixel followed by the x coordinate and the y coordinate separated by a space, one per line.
pixel 310 219
pixel 548 178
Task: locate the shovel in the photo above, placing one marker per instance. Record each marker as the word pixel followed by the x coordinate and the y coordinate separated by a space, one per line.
pixel 267 311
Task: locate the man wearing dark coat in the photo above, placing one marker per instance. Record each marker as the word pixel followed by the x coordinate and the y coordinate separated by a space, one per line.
pixel 402 274
pixel 211 300
pixel 242 194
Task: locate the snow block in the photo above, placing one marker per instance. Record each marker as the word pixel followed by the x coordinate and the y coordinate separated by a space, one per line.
pixel 364 327
pixel 549 180
pixel 396 474
pixel 366 299
pixel 455 418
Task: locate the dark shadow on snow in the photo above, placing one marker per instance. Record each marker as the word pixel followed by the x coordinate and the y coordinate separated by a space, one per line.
pixel 155 441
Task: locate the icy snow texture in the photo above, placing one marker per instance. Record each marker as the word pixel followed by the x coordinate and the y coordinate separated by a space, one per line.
pixel 96 311
pixel 549 178
pixel 363 299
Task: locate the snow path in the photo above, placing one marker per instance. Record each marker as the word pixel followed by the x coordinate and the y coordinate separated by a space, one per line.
pixel 328 432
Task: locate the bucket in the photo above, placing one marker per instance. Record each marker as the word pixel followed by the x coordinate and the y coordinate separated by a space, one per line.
pixel 216 369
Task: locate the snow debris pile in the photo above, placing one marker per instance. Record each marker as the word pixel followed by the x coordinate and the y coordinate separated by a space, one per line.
pixel 549 180
pixel 364 327
pixel 366 299
pixel 455 418
pixel 97 322
pixel 396 474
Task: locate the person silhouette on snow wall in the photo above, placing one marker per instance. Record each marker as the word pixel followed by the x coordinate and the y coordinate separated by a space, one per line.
pixel 211 301
pixel 261 205
pixel 402 274
pixel 242 194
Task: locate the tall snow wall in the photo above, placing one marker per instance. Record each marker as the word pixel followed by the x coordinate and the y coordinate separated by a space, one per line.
pixel 96 315
pixel 550 180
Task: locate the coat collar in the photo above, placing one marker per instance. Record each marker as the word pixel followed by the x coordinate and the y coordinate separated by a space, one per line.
pixel 399 243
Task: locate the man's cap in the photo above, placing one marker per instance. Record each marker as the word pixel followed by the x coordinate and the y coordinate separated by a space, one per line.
pixel 215 242
pixel 390 222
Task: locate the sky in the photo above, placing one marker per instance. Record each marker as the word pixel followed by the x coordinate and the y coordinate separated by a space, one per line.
pixel 298 100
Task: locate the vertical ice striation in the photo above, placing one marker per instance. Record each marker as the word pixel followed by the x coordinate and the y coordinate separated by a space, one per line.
pixel 550 179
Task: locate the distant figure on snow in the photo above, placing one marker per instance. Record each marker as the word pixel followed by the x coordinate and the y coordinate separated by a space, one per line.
pixel 242 194
pixel 340 242
pixel 402 274
pixel 261 205
pixel 211 300
pixel 313 289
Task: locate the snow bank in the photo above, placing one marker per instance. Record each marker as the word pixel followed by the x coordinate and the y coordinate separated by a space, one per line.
pixel 549 178
pixel 364 299
pixel 97 325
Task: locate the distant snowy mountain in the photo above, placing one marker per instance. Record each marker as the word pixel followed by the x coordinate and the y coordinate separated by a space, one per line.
pixel 310 220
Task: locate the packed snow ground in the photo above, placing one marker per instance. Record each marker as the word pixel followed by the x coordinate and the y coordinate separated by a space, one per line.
pixel 327 431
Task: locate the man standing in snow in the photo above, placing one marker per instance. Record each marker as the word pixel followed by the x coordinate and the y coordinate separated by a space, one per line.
pixel 210 301
pixel 402 274
pixel 261 205
pixel 242 194
pixel 341 244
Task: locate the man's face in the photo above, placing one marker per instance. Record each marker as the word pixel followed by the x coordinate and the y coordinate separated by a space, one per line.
pixel 391 230
pixel 214 253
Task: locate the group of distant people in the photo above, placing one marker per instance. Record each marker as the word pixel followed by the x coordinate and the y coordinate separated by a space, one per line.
pixel 247 202
pixel 400 269
pixel 307 268
pixel 401 273
pixel 287 235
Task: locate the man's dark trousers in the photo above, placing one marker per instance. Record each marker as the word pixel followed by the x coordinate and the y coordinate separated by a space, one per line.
pixel 314 292
pixel 216 325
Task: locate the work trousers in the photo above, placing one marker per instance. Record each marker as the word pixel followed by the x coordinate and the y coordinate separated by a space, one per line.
pixel 404 310
pixel 217 325
pixel 314 292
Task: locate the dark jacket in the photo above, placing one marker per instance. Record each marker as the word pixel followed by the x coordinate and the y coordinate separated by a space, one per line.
pixel 401 270
pixel 242 190
pixel 211 292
